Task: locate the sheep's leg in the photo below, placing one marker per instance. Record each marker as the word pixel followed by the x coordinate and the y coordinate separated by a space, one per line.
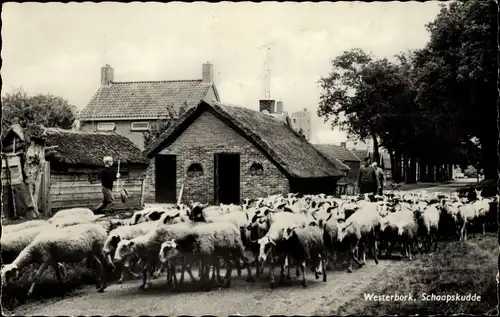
pixel 288 276
pixel 188 269
pixel 271 271
pixel 145 270
pixel 484 228
pixel 238 266
pixel 283 263
pixel 58 272
pixel 302 269
pixel 183 270
pixel 102 276
pixel 297 269
pixel 244 259
pixel 219 278
pixel 200 272
pixel 42 268
pixel 323 267
pixel 229 269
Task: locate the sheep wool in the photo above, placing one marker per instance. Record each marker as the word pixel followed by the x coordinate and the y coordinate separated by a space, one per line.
pixel 13 243
pixel 22 226
pixel 72 212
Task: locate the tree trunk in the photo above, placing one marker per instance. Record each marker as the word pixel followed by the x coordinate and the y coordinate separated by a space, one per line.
pixel 406 168
pixel 450 172
pixel 421 170
pixel 395 167
pixel 430 173
pixel 376 154
pixel 489 159
pixel 413 169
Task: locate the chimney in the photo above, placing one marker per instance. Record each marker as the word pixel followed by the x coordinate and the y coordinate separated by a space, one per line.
pixel 343 144
pixel 266 104
pixel 279 107
pixel 106 75
pixel 208 73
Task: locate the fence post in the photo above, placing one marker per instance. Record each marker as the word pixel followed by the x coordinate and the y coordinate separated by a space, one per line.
pixel 46 188
pixel 143 190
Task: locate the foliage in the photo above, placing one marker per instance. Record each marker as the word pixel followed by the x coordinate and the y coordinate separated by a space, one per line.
pixel 431 102
pixel 41 109
pixel 161 125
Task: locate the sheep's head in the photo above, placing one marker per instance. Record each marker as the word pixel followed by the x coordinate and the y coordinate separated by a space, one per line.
pixel 401 229
pixel 288 232
pixel 383 223
pixel 343 230
pixel 9 272
pixel 136 218
pixel 265 246
pixel 168 218
pixel 168 250
pixel 124 249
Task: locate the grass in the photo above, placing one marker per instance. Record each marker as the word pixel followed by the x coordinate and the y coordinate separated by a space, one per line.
pixel 457 267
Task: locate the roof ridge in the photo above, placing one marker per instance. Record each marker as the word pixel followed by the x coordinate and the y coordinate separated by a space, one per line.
pixel 153 81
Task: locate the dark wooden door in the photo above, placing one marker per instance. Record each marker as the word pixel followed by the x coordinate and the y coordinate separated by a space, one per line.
pixel 227 178
pixel 165 178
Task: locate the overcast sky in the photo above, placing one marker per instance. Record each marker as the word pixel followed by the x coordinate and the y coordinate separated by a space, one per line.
pixel 59 48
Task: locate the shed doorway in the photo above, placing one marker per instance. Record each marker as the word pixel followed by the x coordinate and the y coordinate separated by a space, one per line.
pixel 227 178
pixel 165 178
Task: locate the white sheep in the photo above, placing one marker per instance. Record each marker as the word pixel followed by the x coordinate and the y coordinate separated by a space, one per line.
pixel 151 214
pixel 23 225
pixel 72 212
pixel 208 241
pixel 72 220
pixel 13 243
pixel 120 233
pixel 428 225
pixel 147 247
pixel 70 244
pixel 304 245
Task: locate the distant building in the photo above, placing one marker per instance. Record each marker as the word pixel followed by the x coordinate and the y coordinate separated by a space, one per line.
pixel 131 108
pixel 301 120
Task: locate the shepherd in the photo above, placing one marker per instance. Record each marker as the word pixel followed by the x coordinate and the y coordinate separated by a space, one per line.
pixel 381 178
pixel 108 176
pixel 367 179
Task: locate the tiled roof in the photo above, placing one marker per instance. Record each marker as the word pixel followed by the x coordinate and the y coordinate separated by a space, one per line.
pixel 361 154
pixel 144 99
pixel 326 150
pixel 339 152
pixel 291 152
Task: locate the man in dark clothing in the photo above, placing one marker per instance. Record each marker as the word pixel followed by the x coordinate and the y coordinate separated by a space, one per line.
pixel 108 176
pixel 368 181
pixel 381 178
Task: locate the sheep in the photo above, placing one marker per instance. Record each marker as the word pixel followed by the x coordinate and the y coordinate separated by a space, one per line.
pixel 428 225
pixel 360 229
pixel 450 220
pixel 208 241
pixel 70 244
pixel 72 212
pixel 72 220
pixel 150 214
pixel 23 225
pixel 125 232
pixel 389 227
pixel 330 232
pixel 303 245
pixel 14 242
pixel 147 247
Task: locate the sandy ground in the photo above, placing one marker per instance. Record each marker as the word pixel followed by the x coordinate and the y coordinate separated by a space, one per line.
pixel 241 298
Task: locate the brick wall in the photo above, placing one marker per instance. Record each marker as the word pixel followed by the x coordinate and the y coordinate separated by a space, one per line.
pixel 198 144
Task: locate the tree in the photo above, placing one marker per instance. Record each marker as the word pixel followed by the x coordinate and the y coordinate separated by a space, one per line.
pixel 457 76
pixel 161 125
pixel 41 109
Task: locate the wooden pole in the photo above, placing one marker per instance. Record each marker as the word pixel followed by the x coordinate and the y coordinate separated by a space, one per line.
pixel 143 190
pixel 46 188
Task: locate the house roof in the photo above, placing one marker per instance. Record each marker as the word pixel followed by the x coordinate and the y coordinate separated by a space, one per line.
pixel 361 154
pixel 326 150
pixel 88 148
pixel 14 129
pixel 281 144
pixel 339 152
pixel 144 99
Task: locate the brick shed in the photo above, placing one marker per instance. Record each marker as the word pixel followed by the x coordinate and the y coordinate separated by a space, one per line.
pixel 223 154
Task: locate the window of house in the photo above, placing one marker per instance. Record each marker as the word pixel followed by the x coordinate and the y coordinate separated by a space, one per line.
pixel 105 126
pixel 256 169
pixel 195 170
pixel 139 126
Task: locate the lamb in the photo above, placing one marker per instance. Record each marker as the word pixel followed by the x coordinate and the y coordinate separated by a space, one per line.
pixel 208 241
pixel 70 244
pixel 23 225
pixel 303 245
pixel 360 229
pixel 125 232
pixel 147 247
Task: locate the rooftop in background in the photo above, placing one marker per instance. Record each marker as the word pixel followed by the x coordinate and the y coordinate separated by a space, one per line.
pixel 339 152
pixel 145 99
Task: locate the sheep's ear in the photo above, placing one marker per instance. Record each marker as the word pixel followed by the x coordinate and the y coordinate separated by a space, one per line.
pixel 267 212
pixel 314 216
pixel 272 242
pixel 131 243
pixel 329 217
pixel 176 215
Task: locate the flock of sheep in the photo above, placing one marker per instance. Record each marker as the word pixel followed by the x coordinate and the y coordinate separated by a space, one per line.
pixel 316 231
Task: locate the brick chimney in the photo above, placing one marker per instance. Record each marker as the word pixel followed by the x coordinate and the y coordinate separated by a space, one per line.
pixel 266 104
pixel 208 73
pixel 343 144
pixel 106 75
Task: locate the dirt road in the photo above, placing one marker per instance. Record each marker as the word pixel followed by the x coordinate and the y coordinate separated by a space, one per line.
pixel 242 298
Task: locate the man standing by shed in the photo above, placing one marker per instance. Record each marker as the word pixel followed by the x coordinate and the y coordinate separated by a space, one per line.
pixel 368 181
pixel 108 176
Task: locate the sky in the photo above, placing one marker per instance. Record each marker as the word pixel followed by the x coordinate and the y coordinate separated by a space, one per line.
pixel 59 48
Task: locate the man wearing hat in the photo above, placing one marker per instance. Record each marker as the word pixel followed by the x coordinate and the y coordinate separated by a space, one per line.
pixel 108 176
pixel 380 176
pixel 368 181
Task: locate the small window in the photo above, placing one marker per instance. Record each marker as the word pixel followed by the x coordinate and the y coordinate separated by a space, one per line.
pixel 294 120
pixel 106 126
pixel 256 169
pixel 195 170
pixel 139 126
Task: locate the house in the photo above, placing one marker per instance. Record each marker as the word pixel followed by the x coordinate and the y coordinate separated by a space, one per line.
pixel 67 165
pixel 344 155
pixel 217 153
pixel 13 140
pixel 342 183
pixel 131 108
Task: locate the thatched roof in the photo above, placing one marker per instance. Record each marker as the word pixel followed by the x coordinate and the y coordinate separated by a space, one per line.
pixel 280 143
pixel 144 99
pixel 327 151
pixel 88 148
